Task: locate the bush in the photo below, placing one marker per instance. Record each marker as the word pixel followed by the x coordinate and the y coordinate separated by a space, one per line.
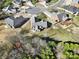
pixel 34 1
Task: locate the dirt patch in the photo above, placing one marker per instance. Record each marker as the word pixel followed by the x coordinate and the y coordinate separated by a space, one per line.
pixel 6 33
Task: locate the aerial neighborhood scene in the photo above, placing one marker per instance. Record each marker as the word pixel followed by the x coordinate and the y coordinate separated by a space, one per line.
pixel 39 29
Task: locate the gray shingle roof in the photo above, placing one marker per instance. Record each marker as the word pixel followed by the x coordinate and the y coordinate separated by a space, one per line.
pixel 43 24
pixel 62 16
pixel 72 9
pixel 33 10
pixel 16 22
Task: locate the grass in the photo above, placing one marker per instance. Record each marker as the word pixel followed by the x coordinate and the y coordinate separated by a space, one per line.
pixel 52 1
pixel 76 20
pixel 59 34
pixel 5 3
pixel 41 16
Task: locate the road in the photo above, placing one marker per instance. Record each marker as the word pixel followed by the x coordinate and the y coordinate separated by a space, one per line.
pixel 45 10
pixel 58 4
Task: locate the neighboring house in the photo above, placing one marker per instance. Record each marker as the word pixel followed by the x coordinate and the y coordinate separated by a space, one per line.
pixel 33 10
pixel 64 19
pixel 9 9
pixel 59 17
pixel 16 22
pixel 63 16
pixel 72 9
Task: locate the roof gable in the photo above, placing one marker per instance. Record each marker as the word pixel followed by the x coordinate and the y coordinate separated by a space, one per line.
pixel 62 16
pixel 16 22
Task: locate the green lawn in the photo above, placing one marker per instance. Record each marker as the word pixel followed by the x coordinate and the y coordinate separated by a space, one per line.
pixel 5 3
pixel 52 1
pixel 60 34
pixel 76 20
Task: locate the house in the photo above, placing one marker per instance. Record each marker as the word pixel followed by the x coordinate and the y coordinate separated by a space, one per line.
pixel 16 22
pixel 39 25
pixel 72 9
pixel 9 9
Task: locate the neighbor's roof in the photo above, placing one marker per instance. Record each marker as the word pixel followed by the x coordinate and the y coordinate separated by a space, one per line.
pixel 62 16
pixel 72 9
pixel 33 10
pixel 16 22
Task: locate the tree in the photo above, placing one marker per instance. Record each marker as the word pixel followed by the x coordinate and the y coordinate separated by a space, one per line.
pixel 52 44
pixel 34 1
pixel 66 46
pixel 5 3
